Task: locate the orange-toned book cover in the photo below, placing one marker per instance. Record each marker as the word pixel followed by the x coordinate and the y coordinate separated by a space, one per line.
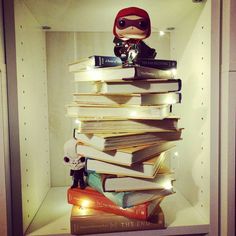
pixel 91 198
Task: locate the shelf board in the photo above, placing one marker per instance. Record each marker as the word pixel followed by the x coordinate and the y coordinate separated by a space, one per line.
pixel 53 217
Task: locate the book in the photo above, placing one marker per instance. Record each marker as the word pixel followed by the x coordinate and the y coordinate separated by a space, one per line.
pixel 146 169
pixel 125 156
pixel 90 221
pixel 126 126
pixel 117 73
pixel 91 198
pixel 160 98
pixel 128 198
pixel 157 63
pixel 120 184
pixel 111 100
pixel 113 141
pixel 129 87
pixel 128 99
pixel 95 61
pixel 123 112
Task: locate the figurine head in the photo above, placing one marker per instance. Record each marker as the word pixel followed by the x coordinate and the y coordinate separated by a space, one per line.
pixel 132 23
pixel 71 158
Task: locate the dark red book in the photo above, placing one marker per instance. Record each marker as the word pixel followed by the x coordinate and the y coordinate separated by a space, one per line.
pixel 90 221
pixel 91 198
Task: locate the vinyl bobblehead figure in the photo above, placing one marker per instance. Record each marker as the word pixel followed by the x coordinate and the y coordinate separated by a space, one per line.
pixel 131 26
pixel 76 163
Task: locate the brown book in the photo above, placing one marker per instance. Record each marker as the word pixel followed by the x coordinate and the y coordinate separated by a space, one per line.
pixel 89 221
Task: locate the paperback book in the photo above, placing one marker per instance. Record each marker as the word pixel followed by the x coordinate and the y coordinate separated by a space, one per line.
pixel 105 142
pixel 147 169
pixel 123 112
pixel 126 126
pixel 126 156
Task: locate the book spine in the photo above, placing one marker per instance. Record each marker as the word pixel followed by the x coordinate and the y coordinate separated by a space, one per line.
pixel 180 84
pixel 104 204
pixel 158 64
pixel 105 61
pixel 112 224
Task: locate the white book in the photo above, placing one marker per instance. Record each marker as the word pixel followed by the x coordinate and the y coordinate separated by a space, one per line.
pixel 129 87
pixel 117 73
pixel 112 100
pixel 145 169
pixel 126 156
pixel 123 112
pixel 126 126
pixel 128 99
pixel 123 140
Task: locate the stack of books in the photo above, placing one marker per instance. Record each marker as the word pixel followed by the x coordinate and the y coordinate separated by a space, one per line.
pixel 126 131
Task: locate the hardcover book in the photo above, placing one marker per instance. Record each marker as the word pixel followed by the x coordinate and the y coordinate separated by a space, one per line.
pixel 157 63
pixel 130 198
pixel 128 99
pixel 120 184
pixel 105 142
pixel 126 156
pixel 118 73
pixel 95 200
pixel 129 87
pixel 90 221
pixel 127 126
pixel 95 61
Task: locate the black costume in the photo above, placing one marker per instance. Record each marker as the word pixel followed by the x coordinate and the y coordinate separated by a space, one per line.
pixel 123 49
pixel 78 178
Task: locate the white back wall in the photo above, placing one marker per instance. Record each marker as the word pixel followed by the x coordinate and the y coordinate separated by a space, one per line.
pixel 63 48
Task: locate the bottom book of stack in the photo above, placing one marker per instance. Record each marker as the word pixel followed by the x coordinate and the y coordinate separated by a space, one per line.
pixel 91 221
pixel 94 213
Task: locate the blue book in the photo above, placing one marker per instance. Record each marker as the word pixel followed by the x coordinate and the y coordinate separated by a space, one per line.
pixel 126 199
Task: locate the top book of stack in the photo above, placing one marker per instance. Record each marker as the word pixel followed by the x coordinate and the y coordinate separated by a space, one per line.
pixel 96 61
pixel 110 68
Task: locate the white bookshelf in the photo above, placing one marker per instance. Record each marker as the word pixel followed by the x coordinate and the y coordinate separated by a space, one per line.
pixel 53 217
pixel 44 86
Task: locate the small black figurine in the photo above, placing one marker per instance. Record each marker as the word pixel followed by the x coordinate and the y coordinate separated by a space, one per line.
pixel 131 26
pixel 76 163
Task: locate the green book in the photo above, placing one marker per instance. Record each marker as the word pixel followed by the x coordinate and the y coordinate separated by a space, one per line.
pixel 126 199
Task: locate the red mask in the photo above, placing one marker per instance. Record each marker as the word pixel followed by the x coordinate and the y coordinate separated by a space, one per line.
pixel 142 24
